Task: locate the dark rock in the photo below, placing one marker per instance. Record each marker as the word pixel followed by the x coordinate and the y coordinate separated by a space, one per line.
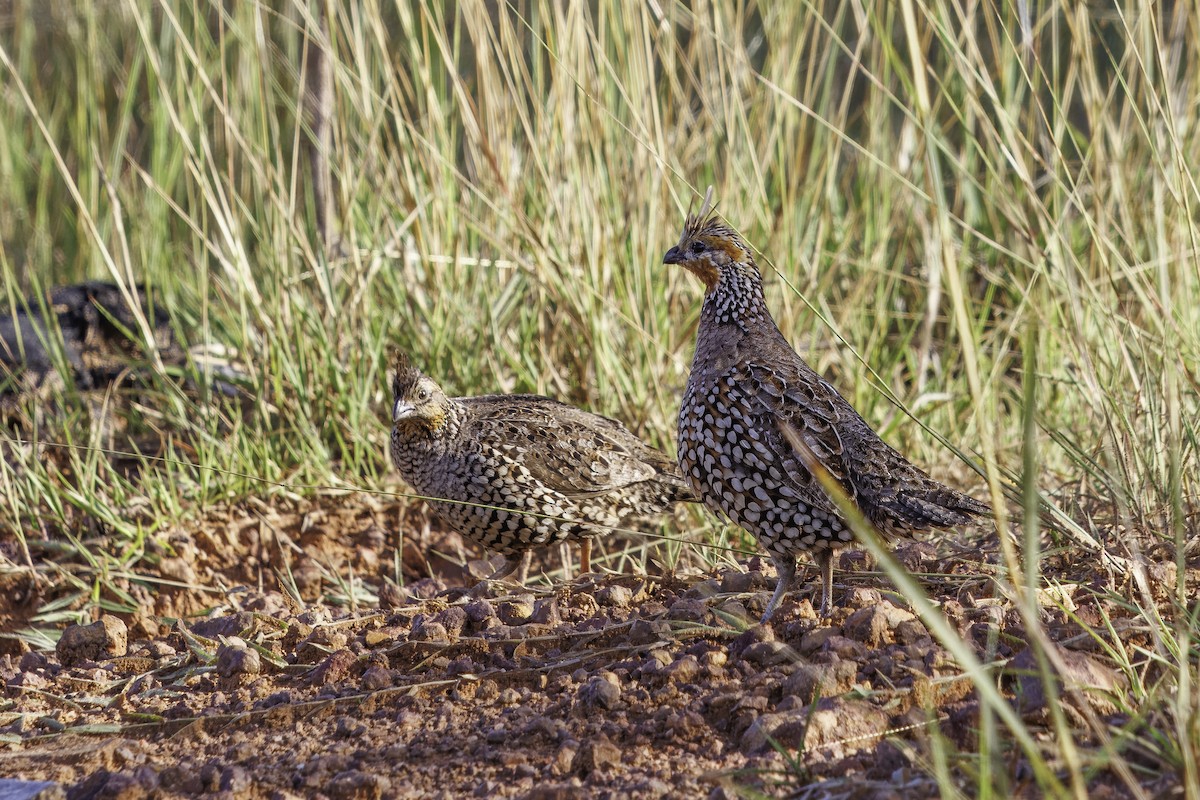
pixel 429 631
pixel 225 625
pixel 425 588
pixel 32 661
pixel 815 639
pixel 734 582
pixel 734 609
pixel 349 728
pixel 845 648
pixel 391 596
pixel 569 790
pixel 856 561
pixel 786 728
pixel 768 654
pixel 93 318
pixel 480 612
pixel 545 612
pixel 688 609
pixel 916 556
pixel 911 631
pixel 750 636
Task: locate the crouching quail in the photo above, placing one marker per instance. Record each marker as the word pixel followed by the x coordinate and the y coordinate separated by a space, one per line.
pixel 516 472
pixel 746 388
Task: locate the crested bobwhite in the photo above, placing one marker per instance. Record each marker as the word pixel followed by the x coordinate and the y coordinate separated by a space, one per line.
pixel 749 393
pixel 515 472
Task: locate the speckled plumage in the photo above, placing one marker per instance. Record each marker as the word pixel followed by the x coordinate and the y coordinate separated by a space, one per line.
pixel 515 472
pixel 746 386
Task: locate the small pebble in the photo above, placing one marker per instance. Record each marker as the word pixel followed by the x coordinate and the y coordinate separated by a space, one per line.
pixel 235 657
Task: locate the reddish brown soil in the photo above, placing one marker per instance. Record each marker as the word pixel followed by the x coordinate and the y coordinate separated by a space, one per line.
pixel 617 686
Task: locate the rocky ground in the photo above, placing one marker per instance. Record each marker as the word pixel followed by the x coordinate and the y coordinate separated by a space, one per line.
pixel 240 681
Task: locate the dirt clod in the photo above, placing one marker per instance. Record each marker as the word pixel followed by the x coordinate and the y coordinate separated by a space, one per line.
pixel 235 657
pixel 597 754
pixel 602 691
pixel 105 638
pixel 812 681
pixel 334 669
pixel 235 779
pixel 682 670
pixel 1083 681
pixel 911 631
pixel 868 625
pixel 516 611
pixel 355 785
pixel 616 595
pixel 376 678
pixel 644 631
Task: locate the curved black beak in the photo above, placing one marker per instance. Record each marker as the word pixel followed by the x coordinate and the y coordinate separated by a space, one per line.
pixel 673 256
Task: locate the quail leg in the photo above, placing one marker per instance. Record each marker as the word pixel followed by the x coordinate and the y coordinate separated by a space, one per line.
pixel 523 572
pixel 511 565
pixel 585 556
pixel 825 564
pixel 786 568
pixel 564 554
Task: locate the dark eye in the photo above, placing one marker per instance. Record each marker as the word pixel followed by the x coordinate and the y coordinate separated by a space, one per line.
pixel 423 394
pixel 698 246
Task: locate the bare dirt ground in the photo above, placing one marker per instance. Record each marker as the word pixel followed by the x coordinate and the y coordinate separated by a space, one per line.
pixel 614 685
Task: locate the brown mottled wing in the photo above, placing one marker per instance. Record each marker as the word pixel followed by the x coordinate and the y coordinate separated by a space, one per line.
pixel 569 450
pixel 785 397
pixel 890 490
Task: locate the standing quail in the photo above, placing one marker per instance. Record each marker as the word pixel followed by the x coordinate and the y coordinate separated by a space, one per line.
pixel 514 472
pixel 750 396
